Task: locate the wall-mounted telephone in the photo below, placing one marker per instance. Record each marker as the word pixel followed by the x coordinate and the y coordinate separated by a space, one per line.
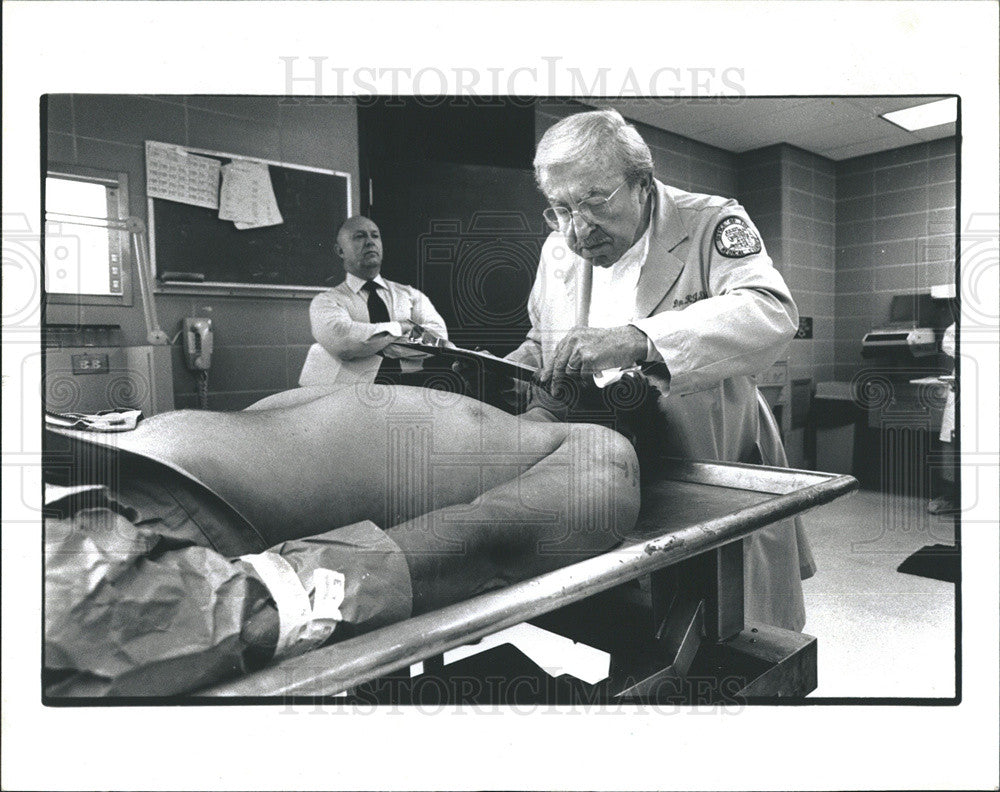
pixel 198 343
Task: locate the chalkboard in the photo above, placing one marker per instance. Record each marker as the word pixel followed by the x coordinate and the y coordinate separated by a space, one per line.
pixel 192 241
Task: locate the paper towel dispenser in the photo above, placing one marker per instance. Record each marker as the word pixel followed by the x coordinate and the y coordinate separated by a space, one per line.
pixel 918 342
pixel 910 331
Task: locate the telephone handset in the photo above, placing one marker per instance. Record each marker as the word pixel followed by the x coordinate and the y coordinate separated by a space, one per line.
pixel 198 343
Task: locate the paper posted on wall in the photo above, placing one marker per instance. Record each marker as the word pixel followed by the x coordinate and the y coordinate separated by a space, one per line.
pixel 247 196
pixel 177 175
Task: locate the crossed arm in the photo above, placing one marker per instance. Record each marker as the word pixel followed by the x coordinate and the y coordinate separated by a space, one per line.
pixel 347 337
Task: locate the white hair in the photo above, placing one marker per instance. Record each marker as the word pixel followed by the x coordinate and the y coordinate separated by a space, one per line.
pixel 600 137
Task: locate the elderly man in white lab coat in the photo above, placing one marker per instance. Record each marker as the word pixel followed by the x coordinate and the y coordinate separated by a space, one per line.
pixel 638 272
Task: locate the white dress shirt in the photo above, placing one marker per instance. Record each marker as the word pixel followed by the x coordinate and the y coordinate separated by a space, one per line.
pixel 613 295
pixel 613 289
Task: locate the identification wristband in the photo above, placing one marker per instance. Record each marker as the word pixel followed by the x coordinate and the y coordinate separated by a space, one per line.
pixel 302 625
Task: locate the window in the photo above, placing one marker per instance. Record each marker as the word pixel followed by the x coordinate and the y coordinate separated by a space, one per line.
pixel 86 256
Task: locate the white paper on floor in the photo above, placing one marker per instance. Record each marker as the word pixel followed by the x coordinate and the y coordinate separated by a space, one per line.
pixel 554 653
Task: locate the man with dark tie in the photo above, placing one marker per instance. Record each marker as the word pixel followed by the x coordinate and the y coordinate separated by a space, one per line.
pixel 356 320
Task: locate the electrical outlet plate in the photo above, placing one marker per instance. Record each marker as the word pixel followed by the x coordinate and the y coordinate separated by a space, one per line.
pixel 90 363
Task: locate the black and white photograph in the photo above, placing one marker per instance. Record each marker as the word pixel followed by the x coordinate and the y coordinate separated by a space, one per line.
pixel 287 353
pixel 391 396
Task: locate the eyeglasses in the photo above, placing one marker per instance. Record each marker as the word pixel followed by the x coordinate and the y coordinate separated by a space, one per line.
pixel 594 209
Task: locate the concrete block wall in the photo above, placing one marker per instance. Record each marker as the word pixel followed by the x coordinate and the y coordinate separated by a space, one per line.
pixel 895 222
pixel 260 342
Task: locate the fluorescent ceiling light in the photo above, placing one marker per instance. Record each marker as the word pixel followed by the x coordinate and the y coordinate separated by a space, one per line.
pixel 944 111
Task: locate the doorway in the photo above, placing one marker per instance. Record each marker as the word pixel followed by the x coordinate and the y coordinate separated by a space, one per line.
pixel 451 187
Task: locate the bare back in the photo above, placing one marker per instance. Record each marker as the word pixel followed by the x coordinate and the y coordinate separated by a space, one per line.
pixel 313 462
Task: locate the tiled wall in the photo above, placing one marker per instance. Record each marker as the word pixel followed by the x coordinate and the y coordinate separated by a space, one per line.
pixel 895 234
pixel 790 194
pixel 760 190
pixel 260 343
pixel 809 257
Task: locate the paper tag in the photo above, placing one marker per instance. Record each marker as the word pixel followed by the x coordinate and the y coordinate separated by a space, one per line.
pixel 329 589
pixel 604 378
pixel 610 376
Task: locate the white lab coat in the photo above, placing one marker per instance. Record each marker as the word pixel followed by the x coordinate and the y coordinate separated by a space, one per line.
pixel 716 321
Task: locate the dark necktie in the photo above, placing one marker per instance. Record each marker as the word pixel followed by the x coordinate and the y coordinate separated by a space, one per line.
pixel 378 312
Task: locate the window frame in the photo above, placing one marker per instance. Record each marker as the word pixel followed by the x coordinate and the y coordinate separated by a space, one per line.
pixel 119 241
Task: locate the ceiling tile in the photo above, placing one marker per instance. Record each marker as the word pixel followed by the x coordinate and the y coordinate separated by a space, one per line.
pixel 686 116
pixel 821 112
pixel 936 132
pixel 835 127
pixel 834 136
pixel 877 105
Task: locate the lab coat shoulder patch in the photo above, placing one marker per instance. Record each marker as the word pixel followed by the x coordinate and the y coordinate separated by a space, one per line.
pixel 735 239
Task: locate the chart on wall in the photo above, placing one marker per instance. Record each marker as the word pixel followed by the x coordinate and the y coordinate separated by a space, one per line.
pixel 219 218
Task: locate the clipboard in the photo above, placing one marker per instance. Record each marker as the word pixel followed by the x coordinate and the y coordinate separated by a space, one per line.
pixel 485 360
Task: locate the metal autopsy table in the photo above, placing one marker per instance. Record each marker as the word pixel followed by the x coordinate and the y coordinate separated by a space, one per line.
pixel 688 626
